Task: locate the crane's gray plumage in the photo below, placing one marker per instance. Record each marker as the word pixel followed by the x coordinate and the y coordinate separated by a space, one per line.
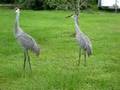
pixel 83 41
pixel 25 40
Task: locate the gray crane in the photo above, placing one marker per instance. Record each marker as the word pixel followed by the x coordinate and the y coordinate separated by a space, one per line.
pixel 83 41
pixel 25 40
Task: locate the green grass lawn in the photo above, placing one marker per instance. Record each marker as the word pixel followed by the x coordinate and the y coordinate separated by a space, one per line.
pixel 55 68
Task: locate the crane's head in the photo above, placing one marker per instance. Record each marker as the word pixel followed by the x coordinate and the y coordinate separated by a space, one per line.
pixel 69 16
pixel 17 10
pixel 73 16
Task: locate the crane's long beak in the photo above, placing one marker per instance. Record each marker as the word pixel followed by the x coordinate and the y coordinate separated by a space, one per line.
pixel 69 16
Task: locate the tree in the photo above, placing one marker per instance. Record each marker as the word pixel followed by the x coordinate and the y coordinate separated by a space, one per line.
pixel 51 4
pixel 68 4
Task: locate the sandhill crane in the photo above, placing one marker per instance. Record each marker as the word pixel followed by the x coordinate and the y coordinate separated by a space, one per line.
pixel 83 41
pixel 25 40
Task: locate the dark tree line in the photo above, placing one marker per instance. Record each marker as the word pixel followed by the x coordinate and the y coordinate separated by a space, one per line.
pixel 50 4
pixel 6 1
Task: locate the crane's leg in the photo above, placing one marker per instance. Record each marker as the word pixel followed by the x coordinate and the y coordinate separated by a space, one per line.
pixel 80 52
pixel 24 60
pixel 85 56
pixel 29 60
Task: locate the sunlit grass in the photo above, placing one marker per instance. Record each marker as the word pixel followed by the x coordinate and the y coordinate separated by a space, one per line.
pixel 56 67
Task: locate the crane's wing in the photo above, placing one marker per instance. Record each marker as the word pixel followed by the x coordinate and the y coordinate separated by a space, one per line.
pixel 88 45
pixel 27 42
pixel 84 42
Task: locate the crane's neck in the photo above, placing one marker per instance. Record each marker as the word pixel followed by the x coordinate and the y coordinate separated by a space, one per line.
pixel 77 28
pixel 17 26
pixel 17 20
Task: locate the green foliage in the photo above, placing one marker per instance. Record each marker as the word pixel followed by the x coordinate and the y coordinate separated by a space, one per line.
pixel 51 4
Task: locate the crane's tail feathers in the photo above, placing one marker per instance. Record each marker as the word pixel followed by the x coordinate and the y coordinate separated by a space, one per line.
pixel 89 51
pixel 36 50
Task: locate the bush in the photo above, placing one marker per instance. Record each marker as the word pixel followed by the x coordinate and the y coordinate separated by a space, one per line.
pixel 50 4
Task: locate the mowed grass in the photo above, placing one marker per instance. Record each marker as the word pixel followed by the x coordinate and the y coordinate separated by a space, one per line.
pixel 55 68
